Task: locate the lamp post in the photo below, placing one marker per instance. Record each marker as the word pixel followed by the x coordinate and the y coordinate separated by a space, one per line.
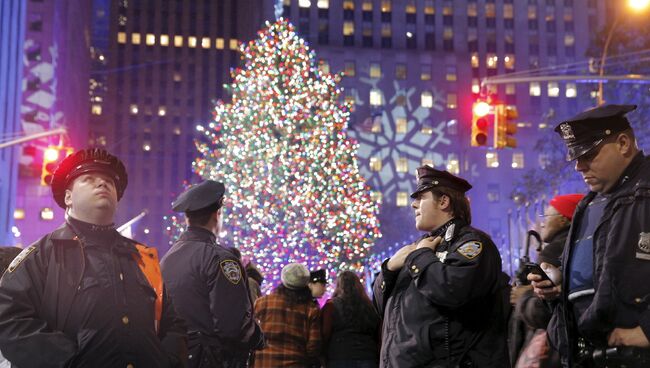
pixel 637 5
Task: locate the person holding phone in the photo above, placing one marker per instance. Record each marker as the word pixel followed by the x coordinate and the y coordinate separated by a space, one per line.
pixel 444 298
pixel 601 305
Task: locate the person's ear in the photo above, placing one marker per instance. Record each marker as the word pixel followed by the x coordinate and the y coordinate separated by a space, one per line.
pixel 444 202
pixel 68 198
pixel 624 143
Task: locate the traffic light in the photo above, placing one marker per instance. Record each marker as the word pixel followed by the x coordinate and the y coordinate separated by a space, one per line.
pixel 506 127
pixel 480 123
pixel 52 157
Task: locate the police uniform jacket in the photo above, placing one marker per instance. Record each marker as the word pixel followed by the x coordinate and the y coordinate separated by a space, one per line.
pixel 447 306
pixel 73 304
pixel 621 246
pixel 208 286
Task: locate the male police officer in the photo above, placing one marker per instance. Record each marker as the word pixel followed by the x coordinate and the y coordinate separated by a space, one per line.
pixel 84 296
pixel 443 298
pixel 602 301
pixel 208 284
pixel 318 283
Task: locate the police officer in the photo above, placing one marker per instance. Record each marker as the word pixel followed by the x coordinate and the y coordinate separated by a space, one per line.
pixel 318 283
pixel 602 313
pixel 208 284
pixel 444 298
pixel 83 295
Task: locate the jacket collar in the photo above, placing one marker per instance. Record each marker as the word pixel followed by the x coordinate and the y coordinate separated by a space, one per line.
pixel 65 236
pixel 195 233
pixel 630 171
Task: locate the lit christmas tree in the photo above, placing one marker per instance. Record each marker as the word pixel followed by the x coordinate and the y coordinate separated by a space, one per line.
pixel 294 192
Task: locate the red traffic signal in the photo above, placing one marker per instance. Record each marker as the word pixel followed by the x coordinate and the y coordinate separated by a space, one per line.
pixel 52 157
pixel 481 111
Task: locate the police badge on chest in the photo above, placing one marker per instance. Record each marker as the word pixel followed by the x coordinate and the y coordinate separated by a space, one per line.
pixel 643 247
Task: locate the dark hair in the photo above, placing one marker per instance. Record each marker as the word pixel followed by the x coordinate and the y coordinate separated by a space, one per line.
pixel 202 216
pixel 355 303
pixel 7 254
pixel 295 296
pixel 458 203
pixel 235 251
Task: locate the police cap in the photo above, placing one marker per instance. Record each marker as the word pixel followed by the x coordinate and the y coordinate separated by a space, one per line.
pixel 318 276
pixel 200 196
pixel 585 131
pixel 429 178
pixel 85 161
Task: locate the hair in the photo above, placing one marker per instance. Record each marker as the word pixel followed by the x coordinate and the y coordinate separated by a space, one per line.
pixel 201 217
pixel 236 252
pixel 355 303
pixel 295 296
pixel 458 203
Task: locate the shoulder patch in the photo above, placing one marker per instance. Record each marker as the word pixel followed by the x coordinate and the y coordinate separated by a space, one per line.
pixel 231 270
pixel 471 249
pixel 20 258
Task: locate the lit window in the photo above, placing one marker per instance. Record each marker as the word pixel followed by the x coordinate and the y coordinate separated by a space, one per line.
pixel 491 61
pixel 151 39
pixel 410 7
pixel 19 214
pixel 400 71
pixel 219 43
pixel 568 14
pixel 518 160
pixel 448 33
pixel 453 164
pixel 178 41
pixel 569 40
pixel 135 38
pixel 386 30
pixel 146 146
pixel 375 163
pixel 376 126
pixel 191 41
pixel 509 61
pixel 402 199
pixel 472 11
pixel 121 37
pixel 508 12
pixel 164 40
pixel 426 130
pixel 234 44
pixel 162 111
pixel 304 3
pixel 348 5
pixel 376 98
pixel 401 125
pixel 350 69
pixel 492 159
pixel 386 6
pixel 510 89
pixel 177 130
pixel 476 85
pixel 47 214
pixel 376 196
pixel 490 10
pixel 425 72
pixel 571 90
pixel 535 89
pixel 205 42
pixel 553 89
pixel 426 99
pixel 429 7
pixel 532 11
pixel 323 4
pixel 133 109
pixel 286 2
pixel 450 76
pixel 447 10
pixel 366 6
pixel 493 192
pixel 324 66
pixel 177 77
pixel 375 70
pixel 427 161
pixel 348 28
pixel 474 60
pixel 96 109
pixel 402 165
pixel 452 100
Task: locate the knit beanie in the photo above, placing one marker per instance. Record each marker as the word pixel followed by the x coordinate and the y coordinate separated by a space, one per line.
pixel 294 276
pixel 566 204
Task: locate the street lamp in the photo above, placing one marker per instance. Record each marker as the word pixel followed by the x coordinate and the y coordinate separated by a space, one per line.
pixel 636 5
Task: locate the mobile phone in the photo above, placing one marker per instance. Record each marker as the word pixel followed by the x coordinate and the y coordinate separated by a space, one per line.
pixel 534 268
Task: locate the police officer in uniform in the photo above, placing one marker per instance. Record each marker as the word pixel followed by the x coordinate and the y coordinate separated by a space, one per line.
pixel 602 308
pixel 83 295
pixel 208 284
pixel 444 299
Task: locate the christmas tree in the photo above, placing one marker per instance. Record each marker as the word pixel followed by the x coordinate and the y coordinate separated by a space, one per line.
pixel 294 192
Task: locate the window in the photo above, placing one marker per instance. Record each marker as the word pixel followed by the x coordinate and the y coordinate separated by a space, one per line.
pixel 375 70
pixel 450 75
pixel 348 28
pixel 401 125
pixel 453 164
pixel 508 11
pixel 151 39
pixel 121 37
pixel 427 161
pixel 402 199
pixel 219 43
pixel 571 90
pixel 553 89
pixel 376 98
pixel 191 41
pixel 518 160
pixel 366 6
pixel 509 62
pixel 400 71
pixel 569 40
pixel 472 10
pixel 386 30
pixel 425 72
pixel 323 4
pixel 510 89
pixel 386 6
pixel 476 86
pixel 348 5
pixel 375 163
pixel 146 146
pixel 178 41
pixel 376 125
pixel 492 160
pixel 350 69
pixel 135 38
pixel 96 109
pixel 233 44
pixel 475 60
pixel 535 89
pixel 164 40
pixel 304 3
pixel 493 193
pixel 426 99
pixel 491 61
pixel 452 101
pixel 402 165
pixel 133 109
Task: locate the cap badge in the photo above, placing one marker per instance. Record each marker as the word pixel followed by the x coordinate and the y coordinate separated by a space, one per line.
pixel 567 132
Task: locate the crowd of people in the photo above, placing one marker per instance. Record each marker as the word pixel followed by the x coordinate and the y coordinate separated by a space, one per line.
pixel 85 296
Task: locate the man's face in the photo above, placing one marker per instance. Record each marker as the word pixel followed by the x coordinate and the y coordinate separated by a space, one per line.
pixel 601 167
pixel 552 224
pixel 92 191
pixel 428 211
pixel 317 289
